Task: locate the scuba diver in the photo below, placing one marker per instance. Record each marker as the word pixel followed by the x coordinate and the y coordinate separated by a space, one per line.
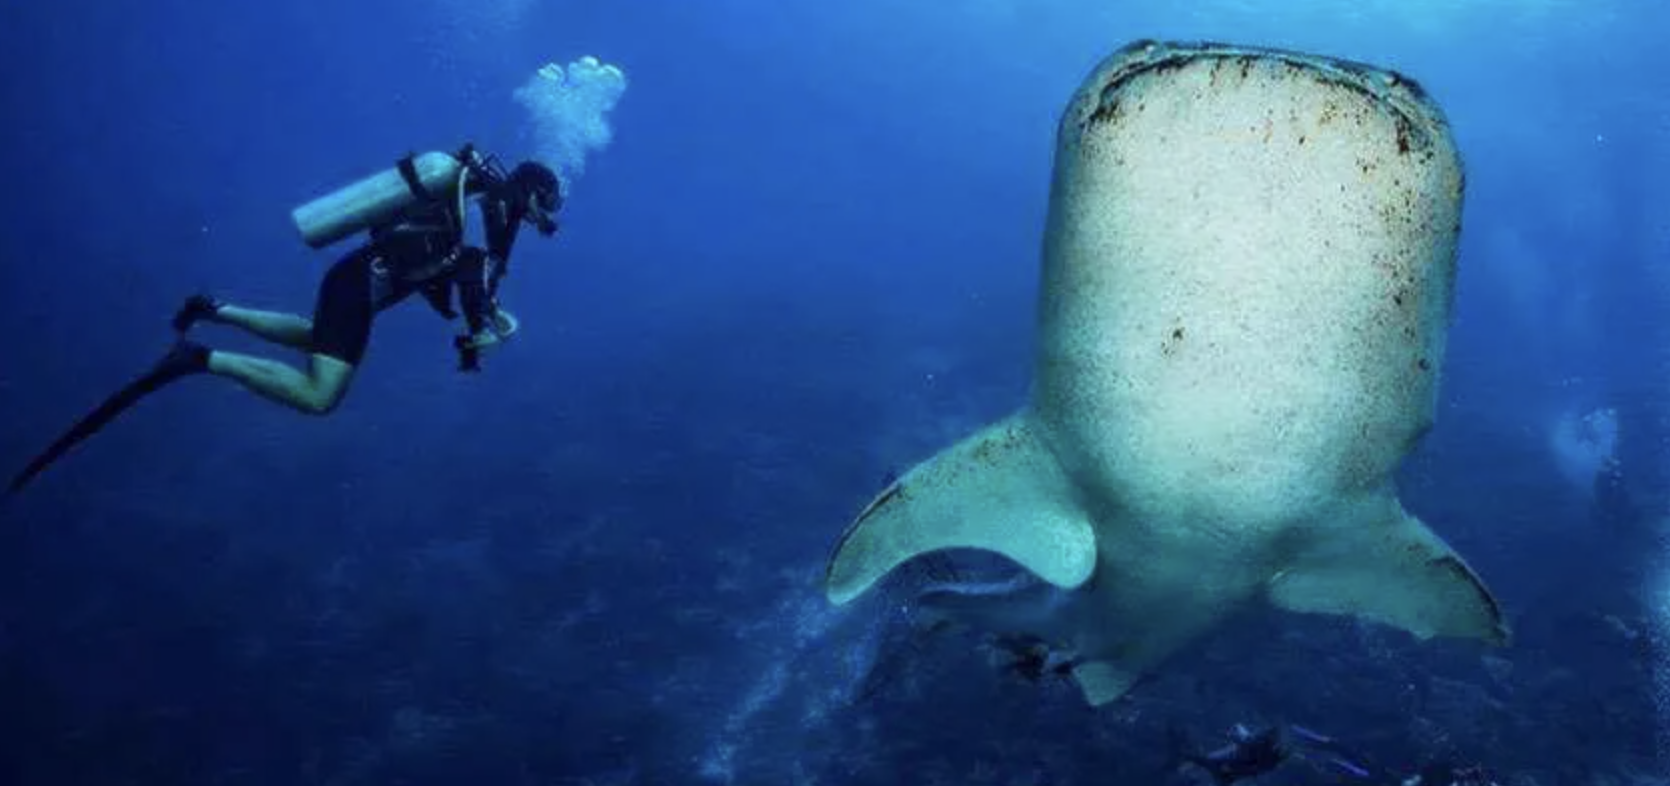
pixel 415 216
pixel 1251 754
pixel 1030 658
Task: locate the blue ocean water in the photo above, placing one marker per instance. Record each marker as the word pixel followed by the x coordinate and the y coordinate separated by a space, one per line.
pixel 803 257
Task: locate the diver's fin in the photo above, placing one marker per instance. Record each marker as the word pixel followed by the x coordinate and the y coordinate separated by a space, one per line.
pixel 1103 681
pixel 176 364
pixel 1000 490
pixel 1390 568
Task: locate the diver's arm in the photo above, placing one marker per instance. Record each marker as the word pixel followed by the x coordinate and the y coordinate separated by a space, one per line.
pixel 438 295
pixel 499 225
pixel 477 276
pixel 487 326
pixel 474 277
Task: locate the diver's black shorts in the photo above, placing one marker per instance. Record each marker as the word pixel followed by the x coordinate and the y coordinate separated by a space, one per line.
pixel 342 316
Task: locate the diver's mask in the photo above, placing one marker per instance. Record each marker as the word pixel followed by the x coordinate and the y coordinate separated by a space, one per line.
pixel 543 204
pixel 541 195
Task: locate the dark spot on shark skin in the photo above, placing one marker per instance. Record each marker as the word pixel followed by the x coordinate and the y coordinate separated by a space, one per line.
pixel 989 451
pixel 1402 137
pixel 1330 112
pixel 1107 109
pixel 1168 347
pixel 1423 364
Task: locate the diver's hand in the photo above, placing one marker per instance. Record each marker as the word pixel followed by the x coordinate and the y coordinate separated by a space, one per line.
pixel 505 324
pixel 499 329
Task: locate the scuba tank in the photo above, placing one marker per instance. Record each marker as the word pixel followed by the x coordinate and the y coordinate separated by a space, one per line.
pixel 379 198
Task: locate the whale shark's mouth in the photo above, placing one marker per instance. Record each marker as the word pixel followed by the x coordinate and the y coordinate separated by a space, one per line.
pixel 1403 96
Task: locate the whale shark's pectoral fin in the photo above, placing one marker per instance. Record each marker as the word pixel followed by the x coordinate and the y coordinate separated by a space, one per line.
pixel 1391 568
pixel 1000 490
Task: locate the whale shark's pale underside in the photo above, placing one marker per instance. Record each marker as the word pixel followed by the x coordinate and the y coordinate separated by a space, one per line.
pixel 1247 275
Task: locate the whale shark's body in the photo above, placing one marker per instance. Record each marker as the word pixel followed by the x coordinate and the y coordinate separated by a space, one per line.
pixel 1247 276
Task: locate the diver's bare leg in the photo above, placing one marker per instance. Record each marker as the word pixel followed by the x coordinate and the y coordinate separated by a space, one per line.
pixel 315 392
pixel 288 330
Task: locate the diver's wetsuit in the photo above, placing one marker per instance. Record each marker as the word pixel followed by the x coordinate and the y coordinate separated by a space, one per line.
pixel 1033 658
pixel 1249 756
pixel 422 252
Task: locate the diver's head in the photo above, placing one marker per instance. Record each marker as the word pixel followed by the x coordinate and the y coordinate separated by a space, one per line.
pixel 539 195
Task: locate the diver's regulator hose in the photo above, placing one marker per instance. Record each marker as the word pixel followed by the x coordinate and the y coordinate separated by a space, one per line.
pixel 463 179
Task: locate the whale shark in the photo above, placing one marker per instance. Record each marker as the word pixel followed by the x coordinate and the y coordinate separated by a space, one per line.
pixel 1247 277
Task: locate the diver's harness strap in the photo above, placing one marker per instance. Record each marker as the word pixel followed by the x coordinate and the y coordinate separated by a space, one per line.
pixel 480 168
pixel 483 168
pixel 408 173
